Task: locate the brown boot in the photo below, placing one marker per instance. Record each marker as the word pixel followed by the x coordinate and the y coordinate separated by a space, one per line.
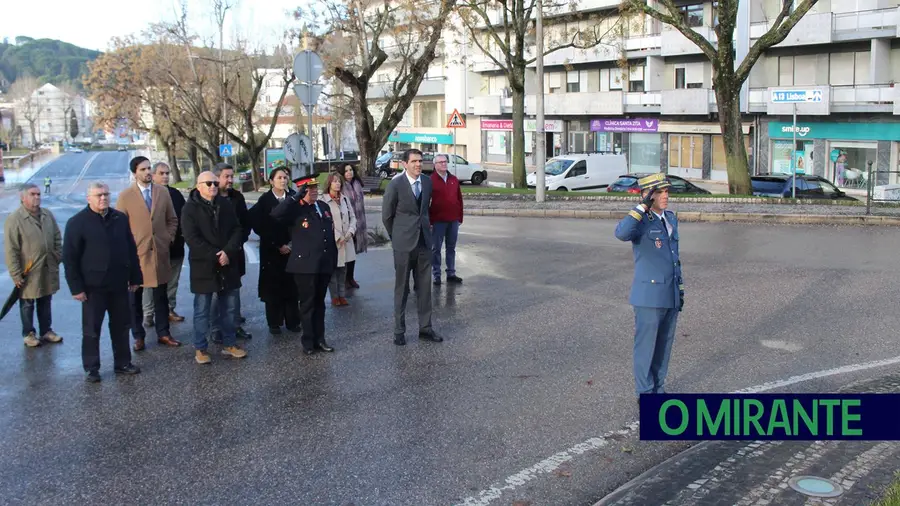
pixel 138 344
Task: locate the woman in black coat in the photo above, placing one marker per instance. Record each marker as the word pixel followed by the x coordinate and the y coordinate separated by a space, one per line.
pixel 276 288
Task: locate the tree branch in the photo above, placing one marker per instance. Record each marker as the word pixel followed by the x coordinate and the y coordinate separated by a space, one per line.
pixel 779 31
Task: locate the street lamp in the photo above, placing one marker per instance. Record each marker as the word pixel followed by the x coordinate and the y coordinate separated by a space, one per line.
pixel 539 127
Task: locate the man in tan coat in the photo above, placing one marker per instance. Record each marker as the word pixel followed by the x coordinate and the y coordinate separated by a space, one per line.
pixel 153 223
pixel 33 246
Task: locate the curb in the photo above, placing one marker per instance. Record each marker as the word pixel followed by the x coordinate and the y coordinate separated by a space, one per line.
pixel 688 216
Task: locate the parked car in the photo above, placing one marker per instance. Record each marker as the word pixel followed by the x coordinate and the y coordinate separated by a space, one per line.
pixel 457 165
pixel 628 183
pixel 383 165
pixel 808 187
pixel 585 171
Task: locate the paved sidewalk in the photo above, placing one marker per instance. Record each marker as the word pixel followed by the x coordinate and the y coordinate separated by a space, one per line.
pixel 757 473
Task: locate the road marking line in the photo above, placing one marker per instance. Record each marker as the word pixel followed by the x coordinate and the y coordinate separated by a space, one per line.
pixel 81 174
pixel 550 464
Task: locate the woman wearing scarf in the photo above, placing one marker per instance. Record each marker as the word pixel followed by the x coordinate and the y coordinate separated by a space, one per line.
pixel 353 189
pixel 344 227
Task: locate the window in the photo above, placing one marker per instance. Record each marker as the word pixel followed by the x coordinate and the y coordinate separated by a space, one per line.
pixel 692 15
pixel 579 169
pixel 459 160
pixel 572 83
pixel 679 79
pixel 678 185
pixel 686 151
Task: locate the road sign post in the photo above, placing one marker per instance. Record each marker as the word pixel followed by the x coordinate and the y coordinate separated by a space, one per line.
pixel 794 97
pixel 456 121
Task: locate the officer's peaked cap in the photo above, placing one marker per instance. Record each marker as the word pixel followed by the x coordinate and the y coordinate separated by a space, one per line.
pixel 654 182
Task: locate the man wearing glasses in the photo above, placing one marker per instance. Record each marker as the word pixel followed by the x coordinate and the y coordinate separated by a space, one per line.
pixel 446 215
pixel 214 239
pixel 101 262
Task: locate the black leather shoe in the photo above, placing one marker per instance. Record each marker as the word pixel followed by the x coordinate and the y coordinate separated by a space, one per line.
pixel 275 331
pixel 437 281
pixel 400 340
pixel 324 347
pixel 296 329
pixel 454 279
pixel 92 376
pixel 128 369
pixel 430 336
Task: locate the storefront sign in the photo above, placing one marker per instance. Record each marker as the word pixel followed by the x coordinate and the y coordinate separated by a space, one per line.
pixel 677 127
pixel 550 125
pixel 421 138
pixel 625 125
pixel 837 131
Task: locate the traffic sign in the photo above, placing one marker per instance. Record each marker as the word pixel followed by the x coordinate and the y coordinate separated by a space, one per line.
pixel 307 66
pixel 308 94
pixel 456 120
pixel 796 96
pixel 297 149
pixel 225 150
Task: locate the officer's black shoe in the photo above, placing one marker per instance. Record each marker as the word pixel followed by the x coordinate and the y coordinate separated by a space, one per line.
pixel 430 336
pixel 400 340
pixel 324 346
pixel 92 376
pixel 128 369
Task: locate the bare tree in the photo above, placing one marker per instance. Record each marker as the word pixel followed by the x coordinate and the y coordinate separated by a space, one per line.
pixel 22 93
pixel 728 77
pixel 501 31
pixel 359 38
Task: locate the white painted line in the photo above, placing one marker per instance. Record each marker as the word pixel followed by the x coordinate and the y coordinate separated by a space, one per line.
pixel 252 257
pixel 552 463
pixel 81 174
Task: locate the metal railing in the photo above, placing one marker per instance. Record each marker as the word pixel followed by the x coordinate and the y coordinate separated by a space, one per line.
pixel 878 187
pixel 865 20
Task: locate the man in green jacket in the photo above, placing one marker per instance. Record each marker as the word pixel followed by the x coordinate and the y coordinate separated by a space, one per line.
pixel 33 246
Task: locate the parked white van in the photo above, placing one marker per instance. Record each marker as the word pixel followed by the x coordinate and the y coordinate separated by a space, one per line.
pixel 584 171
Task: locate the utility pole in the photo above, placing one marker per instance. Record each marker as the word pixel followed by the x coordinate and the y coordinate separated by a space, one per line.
pixel 540 150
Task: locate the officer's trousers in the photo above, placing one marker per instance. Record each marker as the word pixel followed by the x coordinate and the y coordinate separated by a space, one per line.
pixel 654 332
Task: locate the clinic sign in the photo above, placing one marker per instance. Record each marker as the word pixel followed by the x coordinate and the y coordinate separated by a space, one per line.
pixel 636 125
pixel 836 131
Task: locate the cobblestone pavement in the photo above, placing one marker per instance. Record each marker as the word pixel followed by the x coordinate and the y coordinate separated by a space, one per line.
pixel 757 473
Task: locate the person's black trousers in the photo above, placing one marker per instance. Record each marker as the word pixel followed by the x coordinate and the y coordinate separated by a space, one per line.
pixel 99 302
pixel 160 312
pixel 311 291
pixel 283 312
pixel 45 319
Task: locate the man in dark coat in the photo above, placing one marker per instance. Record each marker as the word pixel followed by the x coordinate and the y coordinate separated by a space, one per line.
pixel 161 173
pixel 225 173
pixel 313 258
pixel 101 262
pixel 213 236
pixel 279 297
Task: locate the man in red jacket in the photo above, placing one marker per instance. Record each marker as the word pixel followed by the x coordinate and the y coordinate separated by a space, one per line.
pixel 446 216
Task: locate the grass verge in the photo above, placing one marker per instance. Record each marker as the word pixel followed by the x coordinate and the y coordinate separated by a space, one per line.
pixel 524 191
pixel 892 494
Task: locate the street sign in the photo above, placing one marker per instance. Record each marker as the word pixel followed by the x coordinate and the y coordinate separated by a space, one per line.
pixel 308 94
pixel 307 66
pixel 297 149
pixel 796 96
pixel 225 150
pixel 456 120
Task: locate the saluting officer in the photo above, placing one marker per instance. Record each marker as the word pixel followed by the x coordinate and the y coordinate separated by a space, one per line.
pixel 313 258
pixel 657 292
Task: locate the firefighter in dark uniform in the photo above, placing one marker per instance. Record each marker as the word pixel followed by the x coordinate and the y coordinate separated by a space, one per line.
pixel 313 258
pixel 657 292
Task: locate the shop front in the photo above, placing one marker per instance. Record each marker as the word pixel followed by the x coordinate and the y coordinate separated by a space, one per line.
pixel 637 137
pixel 427 142
pixel 840 152
pixel 697 150
pixel 497 139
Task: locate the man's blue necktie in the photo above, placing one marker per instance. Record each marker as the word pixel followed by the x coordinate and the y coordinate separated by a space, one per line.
pixel 147 198
pixel 418 192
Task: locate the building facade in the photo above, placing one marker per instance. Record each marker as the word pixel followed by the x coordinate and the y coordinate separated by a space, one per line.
pixel 649 94
pixel 48 111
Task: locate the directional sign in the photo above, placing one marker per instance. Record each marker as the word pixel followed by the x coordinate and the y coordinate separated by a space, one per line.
pixel 796 96
pixel 456 120
pixel 225 150
pixel 297 148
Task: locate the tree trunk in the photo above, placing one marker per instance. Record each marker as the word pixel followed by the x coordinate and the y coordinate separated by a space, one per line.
pixel 171 154
pixel 255 164
pixel 733 138
pixel 518 142
pixel 194 155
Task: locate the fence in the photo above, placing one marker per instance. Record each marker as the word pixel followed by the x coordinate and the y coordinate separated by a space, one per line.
pixel 878 187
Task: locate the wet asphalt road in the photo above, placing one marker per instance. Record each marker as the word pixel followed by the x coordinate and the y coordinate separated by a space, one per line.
pixel 536 360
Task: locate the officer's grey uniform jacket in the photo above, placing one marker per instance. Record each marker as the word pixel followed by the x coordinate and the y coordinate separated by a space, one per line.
pixel 657 268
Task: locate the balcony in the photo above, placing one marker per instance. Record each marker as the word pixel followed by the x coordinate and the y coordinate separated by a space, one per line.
pixel 571 55
pixel 865 25
pixel 674 43
pixel 649 44
pixel 846 99
pixel 643 101
pixel 812 29
pixel 486 105
pixel 428 88
pixel 687 101
pixel 574 104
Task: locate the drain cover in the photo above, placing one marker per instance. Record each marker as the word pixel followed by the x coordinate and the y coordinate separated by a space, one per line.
pixel 815 486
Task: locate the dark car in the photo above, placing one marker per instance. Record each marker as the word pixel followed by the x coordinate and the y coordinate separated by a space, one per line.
pixel 808 187
pixel 628 183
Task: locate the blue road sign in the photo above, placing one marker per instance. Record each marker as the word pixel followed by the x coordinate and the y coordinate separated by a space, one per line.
pixel 225 150
pixel 796 96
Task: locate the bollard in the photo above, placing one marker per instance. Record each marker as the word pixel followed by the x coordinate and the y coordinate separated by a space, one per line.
pixel 869 187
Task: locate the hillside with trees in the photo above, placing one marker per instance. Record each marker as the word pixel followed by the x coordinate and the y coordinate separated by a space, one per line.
pixel 47 60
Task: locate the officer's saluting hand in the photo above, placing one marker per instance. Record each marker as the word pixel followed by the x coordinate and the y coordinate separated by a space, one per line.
pixel 657 291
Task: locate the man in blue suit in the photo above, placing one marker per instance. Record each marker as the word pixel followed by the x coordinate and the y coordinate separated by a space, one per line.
pixel 657 292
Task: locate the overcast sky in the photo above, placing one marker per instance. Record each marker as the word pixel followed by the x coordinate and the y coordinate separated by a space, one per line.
pixel 91 23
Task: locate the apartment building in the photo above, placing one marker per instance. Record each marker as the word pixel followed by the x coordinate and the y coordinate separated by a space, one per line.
pixel 50 109
pixel 649 94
